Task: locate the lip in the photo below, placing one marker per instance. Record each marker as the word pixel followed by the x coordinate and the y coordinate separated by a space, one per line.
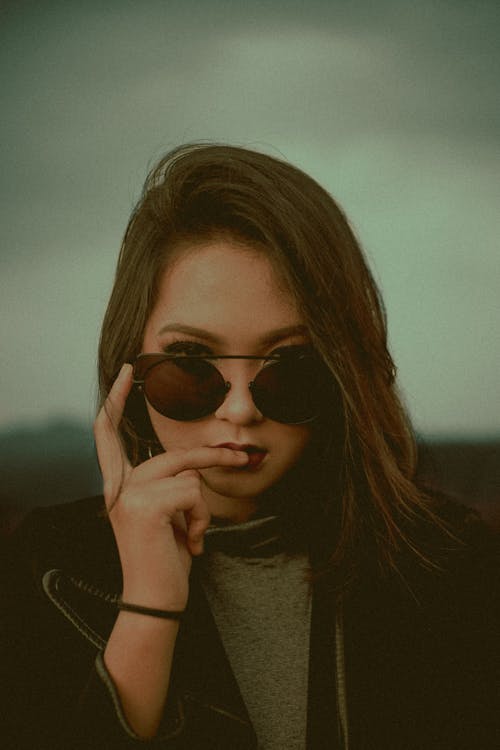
pixel 250 449
pixel 256 454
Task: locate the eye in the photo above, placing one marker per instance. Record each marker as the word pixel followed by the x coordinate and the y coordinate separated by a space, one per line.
pixel 186 347
pixel 292 350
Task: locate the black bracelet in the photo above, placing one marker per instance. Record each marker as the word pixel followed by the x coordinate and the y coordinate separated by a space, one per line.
pixel 165 614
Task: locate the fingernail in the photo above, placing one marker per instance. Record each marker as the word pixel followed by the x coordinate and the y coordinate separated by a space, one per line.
pixel 241 454
pixel 124 371
pixel 198 544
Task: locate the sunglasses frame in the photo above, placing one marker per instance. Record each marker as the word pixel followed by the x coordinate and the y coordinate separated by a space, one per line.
pixel 158 357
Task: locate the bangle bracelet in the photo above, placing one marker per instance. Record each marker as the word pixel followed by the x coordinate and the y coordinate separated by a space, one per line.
pixel 165 614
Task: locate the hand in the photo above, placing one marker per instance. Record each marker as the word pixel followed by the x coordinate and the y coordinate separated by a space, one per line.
pixel 156 509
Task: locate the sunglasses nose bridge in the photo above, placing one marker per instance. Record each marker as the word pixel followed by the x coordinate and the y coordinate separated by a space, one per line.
pixel 239 370
pixel 239 405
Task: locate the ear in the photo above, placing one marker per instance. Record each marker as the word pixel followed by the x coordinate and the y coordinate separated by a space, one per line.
pixel 141 441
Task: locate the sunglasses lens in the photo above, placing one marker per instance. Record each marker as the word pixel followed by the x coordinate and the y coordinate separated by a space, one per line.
pixel 184 389
pixel 289 391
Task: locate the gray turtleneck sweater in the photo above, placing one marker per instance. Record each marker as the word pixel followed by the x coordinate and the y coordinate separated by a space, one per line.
pixel 261 604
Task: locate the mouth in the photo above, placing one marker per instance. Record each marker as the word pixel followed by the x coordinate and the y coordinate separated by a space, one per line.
pixel 256 454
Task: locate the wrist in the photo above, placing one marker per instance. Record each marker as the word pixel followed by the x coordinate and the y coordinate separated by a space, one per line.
pixel 147 611
pixel 165 597
pixel 136 628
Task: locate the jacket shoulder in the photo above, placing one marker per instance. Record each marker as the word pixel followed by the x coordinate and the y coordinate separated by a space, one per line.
pixel 74 536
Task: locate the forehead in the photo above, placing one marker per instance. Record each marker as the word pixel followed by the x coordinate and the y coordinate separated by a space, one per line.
pixel 228 289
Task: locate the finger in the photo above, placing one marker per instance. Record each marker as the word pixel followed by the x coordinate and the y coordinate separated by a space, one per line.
pixel 198 520
pixel 117 397
pixel 167 499
pixel 188 473
pixel 179 523
pixel 106 425
pixel 111 455
pixel 190 515
pixel 174 461
pixel 196 535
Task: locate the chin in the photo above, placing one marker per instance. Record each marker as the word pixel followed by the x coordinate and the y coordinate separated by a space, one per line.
pixel 241 485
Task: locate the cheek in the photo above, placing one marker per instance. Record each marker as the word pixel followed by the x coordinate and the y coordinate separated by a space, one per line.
pixel 171 433
pixel 291 442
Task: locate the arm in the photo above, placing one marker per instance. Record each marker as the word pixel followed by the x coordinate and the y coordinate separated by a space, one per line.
pixel 158 516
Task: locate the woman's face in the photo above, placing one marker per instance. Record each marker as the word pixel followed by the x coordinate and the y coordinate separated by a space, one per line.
pixel 229 294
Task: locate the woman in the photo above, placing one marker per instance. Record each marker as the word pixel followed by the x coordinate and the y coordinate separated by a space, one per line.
pixel 263 570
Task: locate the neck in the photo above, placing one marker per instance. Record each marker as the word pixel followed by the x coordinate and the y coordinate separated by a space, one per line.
pixel 232 509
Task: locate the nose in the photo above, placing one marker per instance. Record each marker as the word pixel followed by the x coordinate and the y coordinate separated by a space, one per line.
pixel 238 407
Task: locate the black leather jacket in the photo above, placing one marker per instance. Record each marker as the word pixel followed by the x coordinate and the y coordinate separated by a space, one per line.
pixel 406 663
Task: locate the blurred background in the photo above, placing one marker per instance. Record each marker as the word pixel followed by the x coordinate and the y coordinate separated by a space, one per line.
pixel 392 105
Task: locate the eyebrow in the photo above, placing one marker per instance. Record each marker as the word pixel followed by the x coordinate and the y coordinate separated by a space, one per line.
pixel 270 338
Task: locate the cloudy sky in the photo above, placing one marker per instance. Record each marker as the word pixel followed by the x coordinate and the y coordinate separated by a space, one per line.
pixel 393 106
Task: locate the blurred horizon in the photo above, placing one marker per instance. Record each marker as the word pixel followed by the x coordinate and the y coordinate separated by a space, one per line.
pixel 57 463
pixel 393 107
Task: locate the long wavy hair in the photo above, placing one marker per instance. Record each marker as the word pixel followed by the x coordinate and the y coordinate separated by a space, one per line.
pixel 363 502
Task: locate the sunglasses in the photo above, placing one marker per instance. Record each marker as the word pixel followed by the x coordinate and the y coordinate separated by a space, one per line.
pixel 288 388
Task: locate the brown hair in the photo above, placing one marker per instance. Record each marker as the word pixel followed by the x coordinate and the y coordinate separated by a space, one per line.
pixel 368 458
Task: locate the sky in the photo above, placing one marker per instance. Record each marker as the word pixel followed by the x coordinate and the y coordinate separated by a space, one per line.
pixel 393 106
